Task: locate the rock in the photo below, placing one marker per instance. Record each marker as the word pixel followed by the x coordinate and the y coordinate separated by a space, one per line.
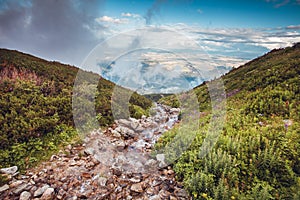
pixel 25 195
pixel 53 157
pixel 4 188
pixel 40 191
pixel 135 180
pixel 137 187
pixel 61 194
pixel 120 145
pixel 16 183
pixel 86 175
pixel 151 163
pixel 102 181
pixel 155 197
pixel 72 198
pixel 181 193
pixel 124 122
pixel 175 110
pixel 89 151
pixel 48 194
pixel 9 170
pixel 134 123
pixel 161 159
pixel 170 172
pixel 173 198
pixel 115 133
pixel 116 171
pixel 21 188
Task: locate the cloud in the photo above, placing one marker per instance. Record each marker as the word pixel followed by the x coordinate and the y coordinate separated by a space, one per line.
pixel 111 20
pixel 60 30
pixel 127 14
pixel 153 10
pixel 281 3
pixel 296 27
pixel 200 11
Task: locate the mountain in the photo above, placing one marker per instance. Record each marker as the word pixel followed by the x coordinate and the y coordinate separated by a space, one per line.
pixel 257 153
pixel 36 114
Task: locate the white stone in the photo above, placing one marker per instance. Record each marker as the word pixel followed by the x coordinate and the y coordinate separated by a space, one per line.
pixel 9 170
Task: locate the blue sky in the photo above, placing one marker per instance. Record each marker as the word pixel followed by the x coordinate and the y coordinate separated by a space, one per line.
pixel 231 31
pixel 214 13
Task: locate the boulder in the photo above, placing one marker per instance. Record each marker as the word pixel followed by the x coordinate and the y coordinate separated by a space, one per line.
pixel 161 159
pixel 21 188
pixel 25 195
pixel 40 191
pixel 9 170
pixel 4 188
pixel 137 187
pixel 89 151
pixel 48 194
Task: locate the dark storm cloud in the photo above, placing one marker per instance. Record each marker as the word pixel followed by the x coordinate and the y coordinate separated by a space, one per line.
pixel 60 30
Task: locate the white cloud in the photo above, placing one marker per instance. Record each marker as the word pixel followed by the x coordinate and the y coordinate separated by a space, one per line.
pixel 293 26
pixel 108 19
pixel 127 14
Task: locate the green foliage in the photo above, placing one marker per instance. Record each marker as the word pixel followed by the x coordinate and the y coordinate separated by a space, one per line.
pixel 36 114
pixel 257 154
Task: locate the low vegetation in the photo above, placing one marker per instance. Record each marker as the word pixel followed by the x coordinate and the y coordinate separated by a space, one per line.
pixel 36 107
pixel 257 154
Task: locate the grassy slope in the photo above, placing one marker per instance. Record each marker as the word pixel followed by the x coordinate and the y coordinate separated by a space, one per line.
pixel 257 155
pixel 36 110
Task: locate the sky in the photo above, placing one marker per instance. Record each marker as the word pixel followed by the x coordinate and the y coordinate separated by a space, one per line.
pixel 230 32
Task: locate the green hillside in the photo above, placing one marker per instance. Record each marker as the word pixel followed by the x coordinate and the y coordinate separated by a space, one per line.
pixel 257 154
pixel 36 109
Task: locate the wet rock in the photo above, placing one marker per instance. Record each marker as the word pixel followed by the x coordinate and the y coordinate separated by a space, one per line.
pixel 25 195
pixel 48 194
pixel 40 191
pixel 137 187
pixel 9 170
pixel 4 188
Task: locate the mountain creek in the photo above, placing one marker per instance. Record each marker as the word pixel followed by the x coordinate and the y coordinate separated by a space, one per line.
pixel 112 164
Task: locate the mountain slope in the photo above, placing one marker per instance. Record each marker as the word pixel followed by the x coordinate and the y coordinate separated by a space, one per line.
pixel 36 106
pixel 257 153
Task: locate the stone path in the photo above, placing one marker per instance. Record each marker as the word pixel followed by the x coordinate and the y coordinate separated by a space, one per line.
pixel 114 164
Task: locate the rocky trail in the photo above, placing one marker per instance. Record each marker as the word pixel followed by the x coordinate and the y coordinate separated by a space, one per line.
pixel 110 164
